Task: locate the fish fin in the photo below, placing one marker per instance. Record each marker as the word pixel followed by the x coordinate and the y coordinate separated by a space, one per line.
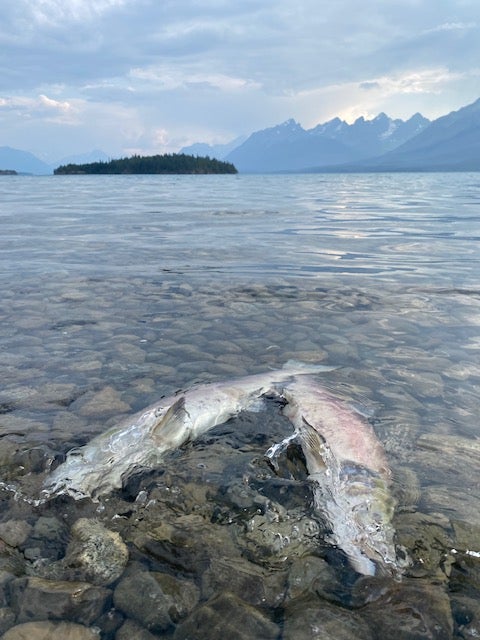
pixel 313 444
pixel 170 420
pixel 297 367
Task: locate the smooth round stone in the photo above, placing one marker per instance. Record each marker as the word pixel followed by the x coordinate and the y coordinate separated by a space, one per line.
pixel 7 619
pixel 96 551
pixel 131 352
pixel 87 365
pixel 39 599
pixel 254 584
pixel 104 402
pixel 15 532
pixel 139 596
pixel 226 616
pixel 316 619
pixel 46 630
pixel 131 630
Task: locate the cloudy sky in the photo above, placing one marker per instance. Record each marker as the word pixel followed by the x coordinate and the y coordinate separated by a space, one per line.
pixel 150 76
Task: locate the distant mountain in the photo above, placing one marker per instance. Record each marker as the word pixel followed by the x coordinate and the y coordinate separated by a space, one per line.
pixel 286 147
pixel 372 137
pixel 22 162
pixel 289 147
pixel 217 151
pixel 450 143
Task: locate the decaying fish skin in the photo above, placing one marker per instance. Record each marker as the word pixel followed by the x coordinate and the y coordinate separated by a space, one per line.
pixel 344 458
pixel 348 466
pixel 141 441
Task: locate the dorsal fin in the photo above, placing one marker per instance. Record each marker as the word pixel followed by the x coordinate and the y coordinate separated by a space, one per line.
pixel 171 420
pixel 313 445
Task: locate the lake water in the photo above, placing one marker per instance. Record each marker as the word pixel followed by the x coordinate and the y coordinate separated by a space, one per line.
pixel 116 290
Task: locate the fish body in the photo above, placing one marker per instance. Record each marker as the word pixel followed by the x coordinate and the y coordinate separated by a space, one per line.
pixel 351 478
pixel 344 458
pixel 142 440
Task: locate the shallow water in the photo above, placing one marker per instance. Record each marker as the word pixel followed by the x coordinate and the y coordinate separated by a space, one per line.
pixel 118 290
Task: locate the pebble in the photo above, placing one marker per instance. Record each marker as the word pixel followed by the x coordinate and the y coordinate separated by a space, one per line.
pixel 315 619
pixel 39 599
pixel 15 532
pixel 410 610
pixel 256 585
pixel 47 630
pixel 132 630
pixel 310 575
pixel 141 597
pixel 226 616
pixel 101 403
pixel 95 552
pixel 7 619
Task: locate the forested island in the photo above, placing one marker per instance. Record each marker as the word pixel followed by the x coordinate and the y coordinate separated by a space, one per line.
pixel 169 163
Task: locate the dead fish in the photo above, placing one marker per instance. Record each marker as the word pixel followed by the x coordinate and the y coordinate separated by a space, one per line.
pixel 142 440
pixel 350 472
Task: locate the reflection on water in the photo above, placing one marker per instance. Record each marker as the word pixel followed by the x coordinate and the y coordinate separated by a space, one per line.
pixel 118 290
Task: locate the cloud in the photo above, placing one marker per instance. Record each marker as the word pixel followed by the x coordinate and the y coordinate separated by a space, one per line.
pixel 220 68
pixel 40 107
pixel 164 78
pixel 418 81
pixel 63 12
pixel 452 26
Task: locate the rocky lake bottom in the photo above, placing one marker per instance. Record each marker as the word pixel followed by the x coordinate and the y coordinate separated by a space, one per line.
pixel 112 301
pixel 218 540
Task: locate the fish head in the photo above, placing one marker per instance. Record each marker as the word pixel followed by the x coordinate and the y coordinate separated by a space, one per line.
pixel 80 476
pixel 366 498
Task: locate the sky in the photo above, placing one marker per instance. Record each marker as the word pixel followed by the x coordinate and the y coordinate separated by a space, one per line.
pixel 151 76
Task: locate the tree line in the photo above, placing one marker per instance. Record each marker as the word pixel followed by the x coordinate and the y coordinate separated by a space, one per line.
pixel 169 163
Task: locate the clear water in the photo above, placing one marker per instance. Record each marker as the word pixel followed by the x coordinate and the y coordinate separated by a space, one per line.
pixel 116 290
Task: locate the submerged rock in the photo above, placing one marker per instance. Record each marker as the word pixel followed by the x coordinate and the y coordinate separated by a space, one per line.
pixel 428 541
pixel 96 551
pixel 106 402
pixel 49 535
pixel 186 544
pixel 226 616
pixel 156 601
pixel 131 629
pixel 7 619
pixel 315 619
pixel 11 560
pixel 5 579
pixel 39 599
pixel 256 585
pixel 407 610
pixel 14 532
pixel 94 554
pixel 466 614
pixel 314 576
pixel 47 630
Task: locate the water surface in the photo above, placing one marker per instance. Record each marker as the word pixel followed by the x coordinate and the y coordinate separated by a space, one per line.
pixel 118 289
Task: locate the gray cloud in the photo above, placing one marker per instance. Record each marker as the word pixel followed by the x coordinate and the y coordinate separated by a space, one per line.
pixel 218 68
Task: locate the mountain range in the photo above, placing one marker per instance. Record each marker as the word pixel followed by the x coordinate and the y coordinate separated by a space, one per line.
pixel 449 143
pixel 289 147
